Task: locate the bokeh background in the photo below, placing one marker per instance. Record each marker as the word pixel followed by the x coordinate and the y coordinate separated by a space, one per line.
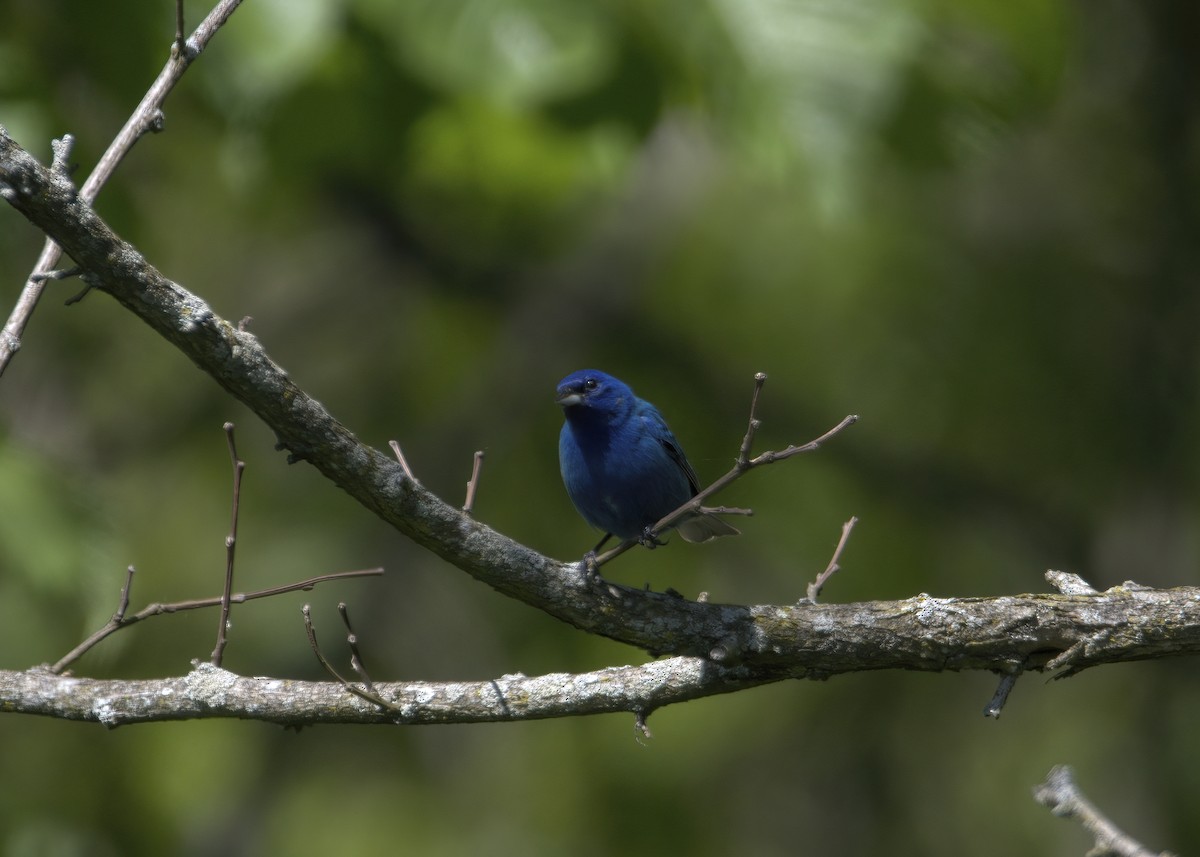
pixel 974 224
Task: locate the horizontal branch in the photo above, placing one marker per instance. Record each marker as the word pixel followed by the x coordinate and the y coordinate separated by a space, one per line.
pixel 1007 634
pixel 209 692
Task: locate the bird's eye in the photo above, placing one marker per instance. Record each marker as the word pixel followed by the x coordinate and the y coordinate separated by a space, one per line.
pixel 590 384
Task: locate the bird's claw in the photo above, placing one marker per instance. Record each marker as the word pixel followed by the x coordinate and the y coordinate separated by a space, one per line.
pixel 650 539
pixel 590 569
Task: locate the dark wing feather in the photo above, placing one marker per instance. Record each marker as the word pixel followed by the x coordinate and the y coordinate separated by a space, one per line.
pixel 676 454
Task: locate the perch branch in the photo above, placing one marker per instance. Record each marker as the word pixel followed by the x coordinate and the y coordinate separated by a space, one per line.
pixel 811 641
pixel 742 465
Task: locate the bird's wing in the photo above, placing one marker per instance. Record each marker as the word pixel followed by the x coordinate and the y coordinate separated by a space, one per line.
pixel 671 445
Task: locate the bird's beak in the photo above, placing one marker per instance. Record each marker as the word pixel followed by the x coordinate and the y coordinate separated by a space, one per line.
pixel 568 397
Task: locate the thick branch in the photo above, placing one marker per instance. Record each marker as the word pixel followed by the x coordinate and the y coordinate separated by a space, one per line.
pixel 806 641
pixel 211 692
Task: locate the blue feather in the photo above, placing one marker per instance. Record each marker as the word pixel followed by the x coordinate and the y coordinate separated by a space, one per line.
pixel 621 465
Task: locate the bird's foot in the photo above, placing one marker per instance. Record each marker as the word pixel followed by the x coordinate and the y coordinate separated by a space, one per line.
pixel 590 569
pixel 650 539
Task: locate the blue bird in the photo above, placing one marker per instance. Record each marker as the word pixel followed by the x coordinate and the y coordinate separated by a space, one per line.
pixel 622 467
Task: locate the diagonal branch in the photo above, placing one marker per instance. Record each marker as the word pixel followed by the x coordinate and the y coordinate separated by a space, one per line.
pixel 1063 798
pixel 145 118
pixel 816 641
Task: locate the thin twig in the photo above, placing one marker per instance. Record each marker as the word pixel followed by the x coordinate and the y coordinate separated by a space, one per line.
pixel 473 483
pixel 146 117
pixel 814 588
pixel 356 661
pixel 1000 697
pixel 760 378
pixel 61 149
pixel 403 461
pixel 311 633
pixel 1063 798
pixel 58 274
pixel 115 623
pixel 239 468
pixel 179 36
pixel 123 604
pixel 741 466
pixel 362 692
pixel 119 619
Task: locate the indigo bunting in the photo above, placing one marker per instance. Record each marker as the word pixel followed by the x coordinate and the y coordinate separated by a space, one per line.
pixel 622 467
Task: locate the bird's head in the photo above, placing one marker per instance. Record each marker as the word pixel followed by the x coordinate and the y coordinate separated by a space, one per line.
pixel 592 389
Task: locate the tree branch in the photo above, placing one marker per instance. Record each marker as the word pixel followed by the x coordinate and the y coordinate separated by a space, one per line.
pixel 763 643
pixel 1063 798
pixel 119 620
pixel 146 117
pixel 210 692
pixel 816 641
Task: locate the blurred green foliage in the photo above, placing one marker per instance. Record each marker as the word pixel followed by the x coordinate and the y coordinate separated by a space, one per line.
pixel 972 223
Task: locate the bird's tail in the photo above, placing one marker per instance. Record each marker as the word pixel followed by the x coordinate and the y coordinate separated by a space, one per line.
pixel 704 527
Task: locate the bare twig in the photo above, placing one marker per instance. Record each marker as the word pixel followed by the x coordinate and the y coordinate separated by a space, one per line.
pixel 1003 689
pixel 120 620
pixel 179 35
pixel 814 588
pixel 239 468
pixel 473 483
pixel 403 461
pixel 147 117
pixel 117 622
pixel 741 466
pixel 61 148
pixel 593 561
pixel 59 274
pixel 356 661
pixel 311 632
pixel 1063 798
pixel 366 692
pixel 1068 583
pixel 760 378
